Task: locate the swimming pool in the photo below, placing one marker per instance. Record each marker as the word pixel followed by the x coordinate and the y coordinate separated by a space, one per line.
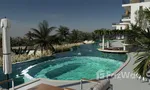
pixel 83 62
pixel 74 68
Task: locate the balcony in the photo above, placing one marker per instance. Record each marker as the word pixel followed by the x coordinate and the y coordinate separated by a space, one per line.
pixel 126 17
pixel 114 23
pixel 117 23
pixel 131 1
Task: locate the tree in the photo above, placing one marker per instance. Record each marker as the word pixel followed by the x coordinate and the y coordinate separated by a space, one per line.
pixel 142 18
pixel 19 41
pixel 143 41
pixel 63 33
pixel 78 36
pixel 29 35
pixel 74 36
pixel 102 33
pixel 147 14
pixel 41 36
pixel 86 36
pixel 143 60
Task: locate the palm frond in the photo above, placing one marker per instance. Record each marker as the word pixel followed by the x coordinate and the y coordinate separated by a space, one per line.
pixel 35 31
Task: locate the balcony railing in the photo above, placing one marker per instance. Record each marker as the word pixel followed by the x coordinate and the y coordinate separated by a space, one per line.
pixel 126 16
pixel 131 1
pixel 118 22
pixel 114 23
pixel 125 1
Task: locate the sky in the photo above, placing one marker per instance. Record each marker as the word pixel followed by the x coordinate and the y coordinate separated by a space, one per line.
pixel 85 15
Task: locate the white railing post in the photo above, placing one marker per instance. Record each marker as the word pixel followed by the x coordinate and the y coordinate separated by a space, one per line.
pixel 13 84
pixel 107 44
pixel 81 87
pixel 103 42
pixel 124 47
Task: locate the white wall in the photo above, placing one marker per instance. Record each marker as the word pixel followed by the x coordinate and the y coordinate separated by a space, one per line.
pixel 120 26
pixel 146 0
pixel 135 7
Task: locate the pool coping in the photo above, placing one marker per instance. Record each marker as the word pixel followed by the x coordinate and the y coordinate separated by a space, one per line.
pixel 118 70
pixel 123 66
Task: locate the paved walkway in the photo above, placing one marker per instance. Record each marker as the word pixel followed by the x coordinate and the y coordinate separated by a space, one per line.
pixel 129 83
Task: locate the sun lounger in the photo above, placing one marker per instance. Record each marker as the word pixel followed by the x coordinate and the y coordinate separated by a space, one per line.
pixel 101 85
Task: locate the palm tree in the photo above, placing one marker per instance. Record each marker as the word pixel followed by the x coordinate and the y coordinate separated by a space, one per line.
pixel 74 36
pixel 29 35
pixel 147 14
pixel 143 60
pixel 102 33
pixel 41 36
pixel 143 40
pixel 63 33
pixel 142 17
pixel 94 36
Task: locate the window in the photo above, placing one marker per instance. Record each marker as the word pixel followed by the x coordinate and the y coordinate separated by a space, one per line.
pixel 141 8
pixel 120 28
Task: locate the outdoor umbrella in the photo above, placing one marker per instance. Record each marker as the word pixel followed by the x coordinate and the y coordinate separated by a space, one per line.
pixel 7 65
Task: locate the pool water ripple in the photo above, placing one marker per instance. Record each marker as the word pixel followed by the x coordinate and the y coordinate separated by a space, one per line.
pixel 74 68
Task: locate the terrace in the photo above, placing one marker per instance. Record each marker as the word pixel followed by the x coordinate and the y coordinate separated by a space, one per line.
pixel 127 14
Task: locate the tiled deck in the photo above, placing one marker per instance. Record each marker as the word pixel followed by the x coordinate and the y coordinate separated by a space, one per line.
pixel 129 83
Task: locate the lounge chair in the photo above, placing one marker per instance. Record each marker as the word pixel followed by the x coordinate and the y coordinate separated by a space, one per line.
pixel 101 85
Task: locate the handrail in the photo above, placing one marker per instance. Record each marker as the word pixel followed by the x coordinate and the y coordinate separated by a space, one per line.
pixel 90 80
pixel 8 81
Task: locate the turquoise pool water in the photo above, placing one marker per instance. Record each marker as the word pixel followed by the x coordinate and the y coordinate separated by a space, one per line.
pixel 80 62
pixel 74 68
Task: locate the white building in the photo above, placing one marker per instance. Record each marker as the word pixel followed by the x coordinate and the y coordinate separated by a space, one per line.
pixel 130 7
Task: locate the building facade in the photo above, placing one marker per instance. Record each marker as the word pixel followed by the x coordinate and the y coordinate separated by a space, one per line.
pixel 130 8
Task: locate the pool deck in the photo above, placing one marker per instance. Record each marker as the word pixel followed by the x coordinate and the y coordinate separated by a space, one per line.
pixel 118 84
pixel 129 83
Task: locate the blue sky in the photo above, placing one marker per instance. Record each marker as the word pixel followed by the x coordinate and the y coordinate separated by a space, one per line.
pixel 85 15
